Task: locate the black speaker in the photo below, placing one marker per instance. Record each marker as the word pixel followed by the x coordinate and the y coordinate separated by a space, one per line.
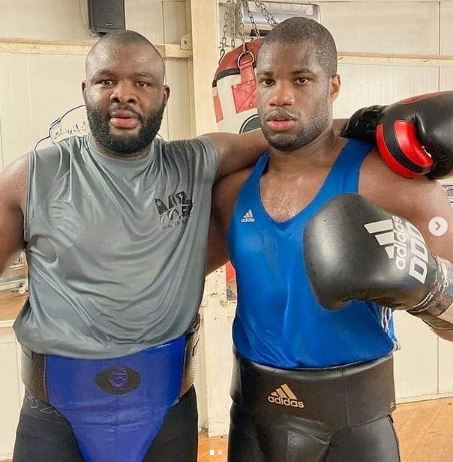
pixel 106 16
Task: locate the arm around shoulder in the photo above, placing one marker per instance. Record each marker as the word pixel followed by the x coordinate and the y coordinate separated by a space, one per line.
pixel 237 152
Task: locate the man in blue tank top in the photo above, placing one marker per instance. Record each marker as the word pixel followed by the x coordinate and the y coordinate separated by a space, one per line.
pixel 311 384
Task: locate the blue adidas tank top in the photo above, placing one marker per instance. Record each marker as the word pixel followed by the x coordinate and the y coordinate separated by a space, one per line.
pixel 279 321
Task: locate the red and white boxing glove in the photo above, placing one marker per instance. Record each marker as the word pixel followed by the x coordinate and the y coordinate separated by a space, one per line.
pixel 414 136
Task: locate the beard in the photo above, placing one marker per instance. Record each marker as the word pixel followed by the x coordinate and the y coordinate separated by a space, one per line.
pixel 124 144
pixel 311 130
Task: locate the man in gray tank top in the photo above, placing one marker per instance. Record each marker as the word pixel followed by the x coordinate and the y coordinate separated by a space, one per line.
pixel 115 226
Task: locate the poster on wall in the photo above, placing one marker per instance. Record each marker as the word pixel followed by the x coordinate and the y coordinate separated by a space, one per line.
pixel 72 122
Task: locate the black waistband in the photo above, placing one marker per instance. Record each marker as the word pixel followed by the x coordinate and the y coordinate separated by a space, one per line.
pixel 349 395
pixel 33 366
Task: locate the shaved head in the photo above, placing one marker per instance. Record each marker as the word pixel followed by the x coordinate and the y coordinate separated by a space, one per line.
pixel 294 31
pixel 110 44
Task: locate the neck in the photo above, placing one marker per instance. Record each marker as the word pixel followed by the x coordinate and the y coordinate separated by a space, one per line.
pixel 320 152
pixel 121 155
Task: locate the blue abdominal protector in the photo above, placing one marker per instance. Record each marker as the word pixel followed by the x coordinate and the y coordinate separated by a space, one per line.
pixel 116 406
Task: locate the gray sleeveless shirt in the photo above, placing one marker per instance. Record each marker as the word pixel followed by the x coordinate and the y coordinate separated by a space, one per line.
pixel 116 248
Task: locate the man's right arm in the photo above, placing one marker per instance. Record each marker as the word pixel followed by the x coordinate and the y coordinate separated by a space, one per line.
pixel 12 203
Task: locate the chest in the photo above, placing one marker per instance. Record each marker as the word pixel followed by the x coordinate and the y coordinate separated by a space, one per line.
pixel 285 197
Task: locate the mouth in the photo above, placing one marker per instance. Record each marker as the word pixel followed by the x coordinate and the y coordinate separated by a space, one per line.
pixel 124 120
pixel 281 125
pixel 280 122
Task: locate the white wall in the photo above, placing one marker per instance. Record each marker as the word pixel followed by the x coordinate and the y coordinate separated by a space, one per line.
pixel 161 21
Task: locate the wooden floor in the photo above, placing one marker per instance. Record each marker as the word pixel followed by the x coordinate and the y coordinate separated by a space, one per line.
pixel 425 431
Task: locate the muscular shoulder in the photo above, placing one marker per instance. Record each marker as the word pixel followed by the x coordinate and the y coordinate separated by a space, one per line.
pixel 394 192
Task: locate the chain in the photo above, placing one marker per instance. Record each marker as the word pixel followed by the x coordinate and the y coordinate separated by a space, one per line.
pixel 233 16
pixel 252 19
pixel 241 30
pixel 266 13
pixel 230 18
pixel 226 21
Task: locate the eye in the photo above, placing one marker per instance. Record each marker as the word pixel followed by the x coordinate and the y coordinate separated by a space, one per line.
pixel 302 81
pixel 266 82
pixel 143 84
pixel 106 82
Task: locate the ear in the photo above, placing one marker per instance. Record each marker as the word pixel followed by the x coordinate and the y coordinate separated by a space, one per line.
pixel 166 94
pixel 84 89
pixel 335 84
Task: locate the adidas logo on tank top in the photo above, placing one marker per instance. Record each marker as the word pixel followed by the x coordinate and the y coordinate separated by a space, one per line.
pixel 248 217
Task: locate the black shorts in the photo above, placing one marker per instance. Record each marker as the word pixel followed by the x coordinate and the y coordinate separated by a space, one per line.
pixel 333 415
pixel 44 435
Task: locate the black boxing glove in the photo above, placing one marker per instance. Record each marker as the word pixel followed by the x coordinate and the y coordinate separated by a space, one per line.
pixel 356 250
pixel 414 136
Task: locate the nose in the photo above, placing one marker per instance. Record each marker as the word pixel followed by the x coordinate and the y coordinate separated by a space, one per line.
pixel 124 92
pixel 281 95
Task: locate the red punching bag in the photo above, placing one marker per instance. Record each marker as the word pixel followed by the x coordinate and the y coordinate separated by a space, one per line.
pixel 234 88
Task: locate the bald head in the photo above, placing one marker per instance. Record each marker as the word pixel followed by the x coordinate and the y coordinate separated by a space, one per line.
pixel 110 45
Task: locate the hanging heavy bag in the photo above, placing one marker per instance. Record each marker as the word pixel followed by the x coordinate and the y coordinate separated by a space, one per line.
pixel 234 88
